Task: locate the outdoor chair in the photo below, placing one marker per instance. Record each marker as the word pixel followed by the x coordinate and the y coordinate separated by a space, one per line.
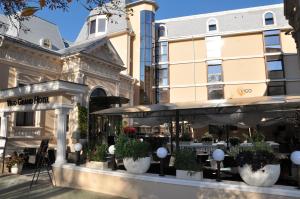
pixel 3 141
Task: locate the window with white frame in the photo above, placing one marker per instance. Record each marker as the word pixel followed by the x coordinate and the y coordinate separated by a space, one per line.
pixel 214 75
pixel 272 41
pixel 25 118
pixel 212 25
pixel 162 31
pixel 92 27
pixel 269 18
pixel 98 25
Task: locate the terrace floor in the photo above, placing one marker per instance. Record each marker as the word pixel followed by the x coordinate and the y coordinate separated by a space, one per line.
pixel 17 187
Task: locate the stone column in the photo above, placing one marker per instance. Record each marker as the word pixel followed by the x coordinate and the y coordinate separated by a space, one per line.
pixel 4 121
pixel 61 135
pixel 3 129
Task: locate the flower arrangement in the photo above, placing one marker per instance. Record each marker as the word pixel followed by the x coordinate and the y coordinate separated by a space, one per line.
pixel 257 156
pixel 186 159
pixel 14 159
pixel 129 130
pixel 131 148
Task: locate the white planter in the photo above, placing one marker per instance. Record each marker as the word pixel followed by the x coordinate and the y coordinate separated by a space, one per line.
pixel 97 165
pixel 189 175
pixel 264 177
pixel 139 166
pixel 17 168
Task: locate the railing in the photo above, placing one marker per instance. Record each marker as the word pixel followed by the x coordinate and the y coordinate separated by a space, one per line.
pixel 27 132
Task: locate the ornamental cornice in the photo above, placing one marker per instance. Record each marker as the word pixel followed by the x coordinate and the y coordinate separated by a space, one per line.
pixel 32 59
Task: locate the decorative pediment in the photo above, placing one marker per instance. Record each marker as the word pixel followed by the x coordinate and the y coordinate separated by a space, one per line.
pixel 105 51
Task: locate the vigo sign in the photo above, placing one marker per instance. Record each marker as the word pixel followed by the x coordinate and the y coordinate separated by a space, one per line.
pixel 28 101
pixel 242 91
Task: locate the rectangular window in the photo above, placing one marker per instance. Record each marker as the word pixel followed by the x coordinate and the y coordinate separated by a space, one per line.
pixel 275 69
pixel 215 92
pixel 276 88
pixel 214 73
pixel 92 26
pixel 163 77
pixel 272 41
pixel 67 122
pixel 25 119
pixel 212 27
pixel 162 95
pixel 102 25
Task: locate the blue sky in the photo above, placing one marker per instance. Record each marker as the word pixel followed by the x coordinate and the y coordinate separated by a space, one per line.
pixel 71 22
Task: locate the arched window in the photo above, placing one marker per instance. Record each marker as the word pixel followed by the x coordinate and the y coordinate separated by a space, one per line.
pixel 98 92
pixel 269 18
pixel 212 25
pixel 162 31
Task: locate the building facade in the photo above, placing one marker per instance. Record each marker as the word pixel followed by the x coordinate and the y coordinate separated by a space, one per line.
pixel 215 56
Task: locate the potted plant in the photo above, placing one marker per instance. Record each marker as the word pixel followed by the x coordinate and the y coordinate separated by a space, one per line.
pixel 258 164
pixel 15 163
pixel 186 165
pixel 186 138
pixel 135 154
pixel 207 138
pixel 97 157
pixel 234 141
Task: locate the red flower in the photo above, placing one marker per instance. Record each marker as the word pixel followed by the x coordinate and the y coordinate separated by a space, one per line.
pixel 129 130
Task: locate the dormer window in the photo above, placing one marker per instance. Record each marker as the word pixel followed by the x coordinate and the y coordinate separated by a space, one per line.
pixel 212 25
pixel 98 25
pixel 101 25
pixel 269 18
pixel 92 27
pixel 162 31
pixel 46 43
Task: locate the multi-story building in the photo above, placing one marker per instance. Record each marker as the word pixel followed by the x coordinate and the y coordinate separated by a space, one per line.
pixel 232 54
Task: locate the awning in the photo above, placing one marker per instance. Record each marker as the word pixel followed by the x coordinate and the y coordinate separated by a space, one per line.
pixel 239 105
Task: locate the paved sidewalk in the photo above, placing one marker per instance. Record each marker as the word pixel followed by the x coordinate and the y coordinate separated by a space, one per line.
pixel 17 187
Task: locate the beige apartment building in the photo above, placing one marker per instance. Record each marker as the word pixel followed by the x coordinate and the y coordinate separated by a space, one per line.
pixel 232 54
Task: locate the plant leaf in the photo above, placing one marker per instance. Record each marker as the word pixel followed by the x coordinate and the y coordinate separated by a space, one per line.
pixel 28 11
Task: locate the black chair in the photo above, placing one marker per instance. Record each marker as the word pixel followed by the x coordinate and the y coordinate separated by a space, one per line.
pixel 3 141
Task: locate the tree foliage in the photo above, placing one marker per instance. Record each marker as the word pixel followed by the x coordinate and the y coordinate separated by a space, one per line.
pixel 21 10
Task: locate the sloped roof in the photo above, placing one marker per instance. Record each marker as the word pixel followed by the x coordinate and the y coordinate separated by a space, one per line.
pixel 37 29
pixel 108 54
pixel 240 20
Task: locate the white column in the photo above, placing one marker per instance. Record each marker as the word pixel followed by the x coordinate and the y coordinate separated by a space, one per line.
pixel 4 121
pixel 61 135
pixel 3 129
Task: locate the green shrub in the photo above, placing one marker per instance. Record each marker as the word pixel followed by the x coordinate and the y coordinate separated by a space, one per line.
pixel 186 159
pixel 82 121
pixel 257 156
pixel 98 154
pixel 186 137
pixel 131 148
pixel 207 137
pixel 234 141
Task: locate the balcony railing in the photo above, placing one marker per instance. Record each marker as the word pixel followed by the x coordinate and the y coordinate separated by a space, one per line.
pixel 27 132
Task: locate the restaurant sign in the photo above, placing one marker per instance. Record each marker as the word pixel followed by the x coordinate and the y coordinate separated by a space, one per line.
pixel 28 101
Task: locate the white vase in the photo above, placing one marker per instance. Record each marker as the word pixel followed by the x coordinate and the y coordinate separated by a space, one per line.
pixel 16 168
pixel 189 175
pixel 97 165
pixel 138 166
pixel 264 177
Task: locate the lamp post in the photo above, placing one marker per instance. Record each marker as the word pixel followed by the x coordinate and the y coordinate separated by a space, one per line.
pixel 78 148
pixel 111 151
pixel 162 154
pixel 218 155
pixel 295 157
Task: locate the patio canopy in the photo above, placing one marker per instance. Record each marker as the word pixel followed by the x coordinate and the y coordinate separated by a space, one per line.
pixel 228 106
